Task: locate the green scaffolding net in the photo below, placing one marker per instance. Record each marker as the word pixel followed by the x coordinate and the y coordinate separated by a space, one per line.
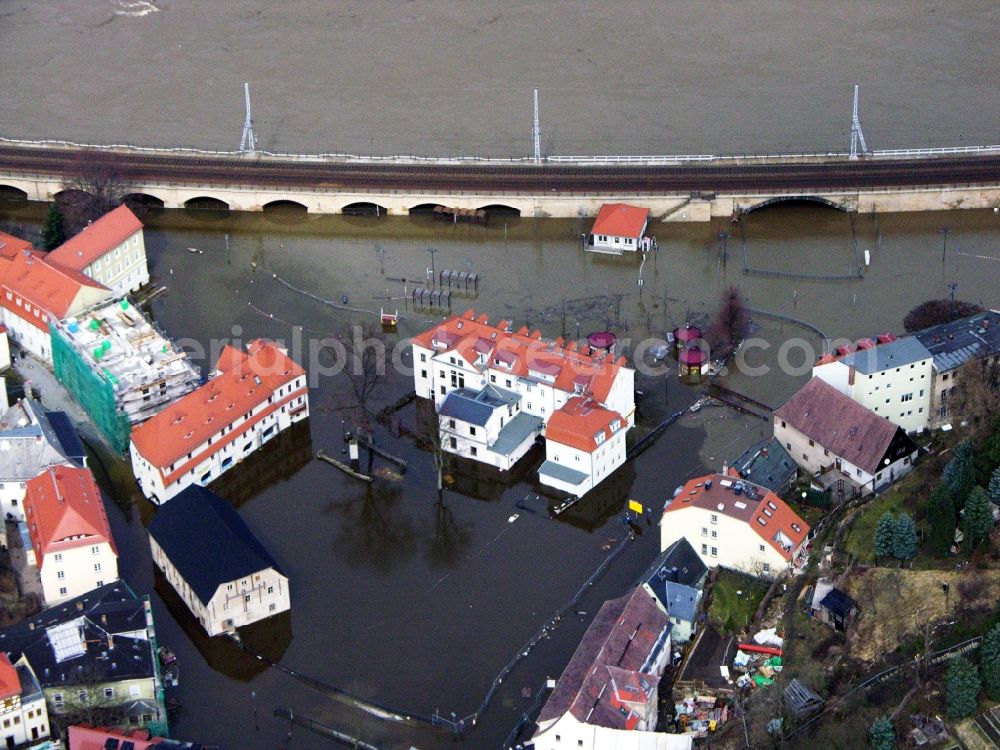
pixel 94 392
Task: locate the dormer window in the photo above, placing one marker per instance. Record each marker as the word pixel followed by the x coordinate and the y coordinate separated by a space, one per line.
pixel 761 521
pixel 599 437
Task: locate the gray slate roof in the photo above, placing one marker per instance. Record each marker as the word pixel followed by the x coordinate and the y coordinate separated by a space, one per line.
pixel 768 464
pixel 516 432
pixel 562 473
pixel 23 455
pixel 111 609
pixel 682 601
pixel 953 344
pixel 207 541
pixel 904 351
pixel 476 407
pixel 678 563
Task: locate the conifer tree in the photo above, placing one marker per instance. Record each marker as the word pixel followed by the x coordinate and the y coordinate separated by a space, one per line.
pixel 904 538
pixel 962 688
pixel 53 232
pixel 978 522
pixel 882 735
pixel 941 522
pixel 885 532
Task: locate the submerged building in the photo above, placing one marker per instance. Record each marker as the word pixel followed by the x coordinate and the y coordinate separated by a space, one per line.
pixel 118 367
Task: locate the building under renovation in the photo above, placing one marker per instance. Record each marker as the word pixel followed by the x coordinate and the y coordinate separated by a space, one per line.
pixel 119 367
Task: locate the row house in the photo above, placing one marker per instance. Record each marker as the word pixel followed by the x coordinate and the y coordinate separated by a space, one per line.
pixel 23 716
pixel 676 581
pixel 835 439
pixel 98 649
pixel 35 291
pixel 71 542
pixel 890 376
pixel 111 250
pixel 736 524
pixel 251 396
pixel 32 440
pixel 608 694
pixel 215 563
pixel 952 345
pixel 516 373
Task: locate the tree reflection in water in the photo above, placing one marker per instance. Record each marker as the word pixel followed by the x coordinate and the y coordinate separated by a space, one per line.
pixel 451 538
pixel 376 532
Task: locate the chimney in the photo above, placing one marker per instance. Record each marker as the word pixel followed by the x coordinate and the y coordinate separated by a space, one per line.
pixel 31 626
pixel 111 642
pixel 104 619
pixel 79 606
pixel 850 374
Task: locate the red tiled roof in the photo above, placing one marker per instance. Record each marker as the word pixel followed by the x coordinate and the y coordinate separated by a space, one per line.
pixel 10 685
pixel 85 737
pixel 522 352
pixel 756 506
pixel 620 220
pixel 245 380
pixel 838 423
pixel 622 636
pixel 96 239
pixel 61 503
pixel 47 286
pixel 579 422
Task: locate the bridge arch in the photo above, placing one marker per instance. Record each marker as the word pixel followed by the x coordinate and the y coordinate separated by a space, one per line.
pixel 793 199
pixel 364 208
pixel 11 193
pixel 206 202
pixel 422 209
pixel 499 209
pixel 143 200
pixel 284 204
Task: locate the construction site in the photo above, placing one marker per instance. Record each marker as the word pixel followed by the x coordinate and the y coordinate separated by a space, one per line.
pixel 119 367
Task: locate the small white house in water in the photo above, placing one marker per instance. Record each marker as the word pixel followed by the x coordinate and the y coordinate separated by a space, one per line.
pixel 618 227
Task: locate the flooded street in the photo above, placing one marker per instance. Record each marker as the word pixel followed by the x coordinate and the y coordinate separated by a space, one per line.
pixel 445 78
pixel 416 606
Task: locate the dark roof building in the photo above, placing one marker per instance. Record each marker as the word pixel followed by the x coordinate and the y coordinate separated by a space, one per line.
pixel 207 541
pixel 476 407
pixel 768 464
pixel 953 344
pixel 678 563
pixel 215 563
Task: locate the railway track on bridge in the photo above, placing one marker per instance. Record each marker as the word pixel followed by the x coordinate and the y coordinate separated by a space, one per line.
pixel 521 179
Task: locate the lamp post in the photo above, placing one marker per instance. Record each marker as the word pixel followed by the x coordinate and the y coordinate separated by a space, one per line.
pixel 724 236
pixel 432 251
pixel 944 244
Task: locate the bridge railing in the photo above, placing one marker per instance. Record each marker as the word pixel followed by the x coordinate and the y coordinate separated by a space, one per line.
pixel 578 160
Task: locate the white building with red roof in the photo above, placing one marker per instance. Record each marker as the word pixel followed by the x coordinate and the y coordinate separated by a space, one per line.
pixel 23 716
pixel 618 227
pixel 70 537
pixel 250 397
pixel 110 250
pixel 34 290
pixel 734 523
pixel 465 365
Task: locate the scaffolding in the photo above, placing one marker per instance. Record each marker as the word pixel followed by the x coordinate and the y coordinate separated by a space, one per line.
pixel 119 367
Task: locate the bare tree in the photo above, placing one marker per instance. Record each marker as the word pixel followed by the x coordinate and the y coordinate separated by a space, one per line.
pixel 432 435
pixel 96 186
pixel 730 323
pixel 364 367
pixel 977 394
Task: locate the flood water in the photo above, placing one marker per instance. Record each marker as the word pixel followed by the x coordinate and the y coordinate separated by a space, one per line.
pixel 437 77
pixel 418 607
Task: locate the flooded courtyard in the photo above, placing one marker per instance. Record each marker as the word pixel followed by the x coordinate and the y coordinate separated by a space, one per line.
pixel 417 605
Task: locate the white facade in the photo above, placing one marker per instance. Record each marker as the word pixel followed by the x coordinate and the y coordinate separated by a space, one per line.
pixel 816 459
pixel 489 442
pixel 23 720
pixel 900 394
pixel 27 335
pixel 73 571
pixel 234 604
pixel 569 733
pixel 123 268
pixel 595 465
pixel 227 447
pixel 722 540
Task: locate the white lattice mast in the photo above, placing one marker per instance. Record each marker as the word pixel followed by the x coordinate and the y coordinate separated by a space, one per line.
pixel 248 143
pixel 856 134
pixel 537 133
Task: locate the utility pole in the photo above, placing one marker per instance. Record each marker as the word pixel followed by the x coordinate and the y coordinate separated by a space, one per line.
pixel 248 142
pixel 537 133
pixel 432 250
pixel 856 134
pixel 724 236
pixel 944 246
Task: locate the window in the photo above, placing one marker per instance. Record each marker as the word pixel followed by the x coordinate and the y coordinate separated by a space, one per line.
pixel 423 373
pixel 109 692
pixel 81 696
pixel 811 443
pixel 57 698
pixel 767 567
pixel 62 591
pixel 715 551
pixel 472 430
pixel 451 424
pixel 270 589
pixel 715 518
pixel 704 549
pixel 715 534
pixel 704 531
pixel 454 444
pixel 906 397
pixel 57 557
pixel 272 607
pixel 133 691
pixel 97 567
pixel 473 450
pixel 61 574
pixel 423 358
pixel 246 598
pixel 762 548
